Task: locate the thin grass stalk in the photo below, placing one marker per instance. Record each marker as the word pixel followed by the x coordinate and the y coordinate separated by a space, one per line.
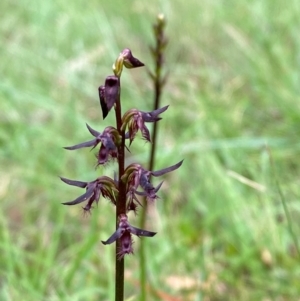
pixel 158 83
pixel 284 204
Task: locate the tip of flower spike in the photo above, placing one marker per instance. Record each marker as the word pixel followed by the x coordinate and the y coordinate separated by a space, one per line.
pixel 161 17
pixel 126 59
pixel 129 60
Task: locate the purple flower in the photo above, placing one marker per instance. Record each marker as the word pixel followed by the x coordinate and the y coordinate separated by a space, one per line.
pixel 109 93
pixel 104 186
pixel 123 233
pixel 126 59
pixel 135 120
pixel 135 175
pixel 129 60
pixel 109 138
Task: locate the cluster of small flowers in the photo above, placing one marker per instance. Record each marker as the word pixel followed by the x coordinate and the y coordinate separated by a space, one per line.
pixel 134 175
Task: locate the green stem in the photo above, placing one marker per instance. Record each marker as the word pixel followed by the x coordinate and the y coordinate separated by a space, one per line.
pixel 121 202
pixel 288 216
pixel 158 85
pixel 143 268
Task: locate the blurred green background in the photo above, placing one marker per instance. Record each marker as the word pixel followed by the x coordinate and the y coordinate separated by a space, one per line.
pixel 234 116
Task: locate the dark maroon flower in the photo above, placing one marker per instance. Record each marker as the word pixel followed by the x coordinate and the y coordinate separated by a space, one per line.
pixel 109 93
pixel 123 233
pixel 109 138
pixel 104 186
pixel 129 60
pixel 153 115
pixel 135 175
pixel 135 120
pixel 126 59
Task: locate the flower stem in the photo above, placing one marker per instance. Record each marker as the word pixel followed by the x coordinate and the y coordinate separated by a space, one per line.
pixel 143 272
pixel 158 83
pixel 121 201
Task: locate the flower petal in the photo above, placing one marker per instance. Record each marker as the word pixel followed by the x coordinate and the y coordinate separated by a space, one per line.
pixel 117 234
pixel 145 133
pixel 166 170
pixel 112 90
pixel 84 144
pixel 129 60
pixel 141 232
pixel 125 245
pixel 74 183
pixel 158 186
pixel 83 197
pixel 101 91
pixel 92 131
pixel 153 116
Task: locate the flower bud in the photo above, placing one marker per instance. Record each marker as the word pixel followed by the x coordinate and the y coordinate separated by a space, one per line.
pixel 129 60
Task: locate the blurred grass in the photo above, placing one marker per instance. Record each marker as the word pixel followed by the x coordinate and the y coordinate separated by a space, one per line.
pixel 233 93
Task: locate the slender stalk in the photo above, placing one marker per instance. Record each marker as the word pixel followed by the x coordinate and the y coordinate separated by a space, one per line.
pixel 143 272
pixel 288 216
pixel 284 205
pixel 157 97
pixel 121 202
pixel 158 83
